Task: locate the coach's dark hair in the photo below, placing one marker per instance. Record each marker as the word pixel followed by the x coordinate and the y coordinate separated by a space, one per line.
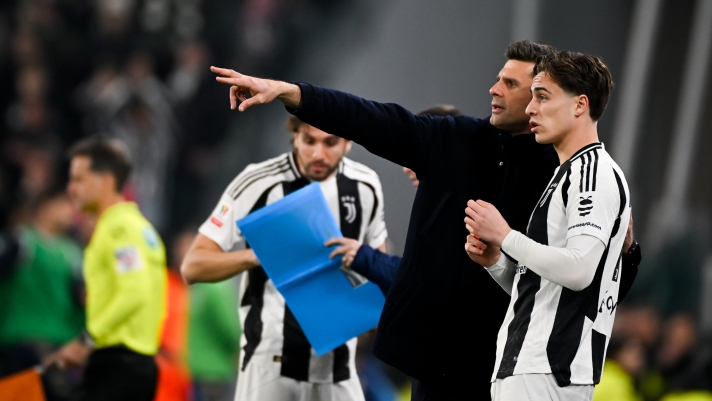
pixel 579 74
pixel 441 110
pixel 525 50
pixel 105 156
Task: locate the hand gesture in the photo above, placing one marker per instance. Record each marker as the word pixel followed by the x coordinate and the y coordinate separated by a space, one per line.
pixel 480 253
pixel 349 247
pixel 262 91
pixel 485 221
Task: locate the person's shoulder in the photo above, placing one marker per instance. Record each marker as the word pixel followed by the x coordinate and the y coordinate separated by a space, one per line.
pixel 276 169
pixel 359 172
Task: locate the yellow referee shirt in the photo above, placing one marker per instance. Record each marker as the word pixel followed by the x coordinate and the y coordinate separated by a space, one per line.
pixel 125 274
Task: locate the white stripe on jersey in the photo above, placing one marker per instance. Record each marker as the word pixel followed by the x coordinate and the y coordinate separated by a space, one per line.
pixel 262 184
pixel 552 329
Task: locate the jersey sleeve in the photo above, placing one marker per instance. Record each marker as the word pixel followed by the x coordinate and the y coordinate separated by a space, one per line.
pixel 221 225
pixel 376 232
pixel 593 200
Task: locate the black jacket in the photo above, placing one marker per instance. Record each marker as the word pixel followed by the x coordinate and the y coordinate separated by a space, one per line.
pixel 443 312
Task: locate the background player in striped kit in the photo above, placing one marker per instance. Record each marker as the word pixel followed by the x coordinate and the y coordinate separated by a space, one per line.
pixel 564 275
pixel 277 360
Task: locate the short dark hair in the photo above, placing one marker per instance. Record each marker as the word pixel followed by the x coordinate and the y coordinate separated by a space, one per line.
pixel 579 74
pixel 528 51
pixel 106 156
pixel 441 110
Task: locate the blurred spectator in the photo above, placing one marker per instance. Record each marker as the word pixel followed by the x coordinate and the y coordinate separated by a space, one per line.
pixel 203 126
pixel 40 300
pixel 214 334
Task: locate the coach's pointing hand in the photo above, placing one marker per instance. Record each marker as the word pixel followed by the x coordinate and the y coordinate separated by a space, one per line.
pixel 262 91
pixel 485 221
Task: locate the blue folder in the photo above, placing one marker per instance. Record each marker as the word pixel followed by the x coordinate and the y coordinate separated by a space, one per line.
pixel 288 237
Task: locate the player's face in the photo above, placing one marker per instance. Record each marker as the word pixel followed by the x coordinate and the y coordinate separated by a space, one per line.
pixel 552 111
pixel 318 153
pixel 85 186
pixel 510 96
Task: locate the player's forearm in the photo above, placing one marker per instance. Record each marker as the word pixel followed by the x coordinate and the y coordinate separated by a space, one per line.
pixel 207 266
pixel 503 273
pixel 572 267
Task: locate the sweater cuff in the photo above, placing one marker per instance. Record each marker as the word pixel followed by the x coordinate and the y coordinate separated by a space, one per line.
pixel 307 99
pixel 361 261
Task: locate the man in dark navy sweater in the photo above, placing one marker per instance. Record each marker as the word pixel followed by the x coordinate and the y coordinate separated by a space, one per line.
pixel 441 316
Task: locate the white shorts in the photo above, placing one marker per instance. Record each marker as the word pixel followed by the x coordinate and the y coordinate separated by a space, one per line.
pixel 537 387
pixel 258 383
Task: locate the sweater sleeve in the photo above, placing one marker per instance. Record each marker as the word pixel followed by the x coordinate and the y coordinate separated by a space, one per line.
pixel 572 267
pixel 378 267
pixel 385 129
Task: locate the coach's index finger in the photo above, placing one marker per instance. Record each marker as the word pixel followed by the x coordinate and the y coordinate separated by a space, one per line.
pixel 225 72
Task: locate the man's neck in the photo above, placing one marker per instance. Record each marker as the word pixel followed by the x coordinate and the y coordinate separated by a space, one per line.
pixel 575 141
pixel 109 201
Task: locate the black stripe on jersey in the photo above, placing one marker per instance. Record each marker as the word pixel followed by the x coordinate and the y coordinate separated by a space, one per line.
pixel 573 307
pixel 598 352
pixel 375 201
pixel 279 171
pixel 296 350
pixel 595 169
pixel 529 282
pixel 582 178
pixel 272 166
pixel 595 145
pixel 341 364
pixel 588 171
pixel 254 297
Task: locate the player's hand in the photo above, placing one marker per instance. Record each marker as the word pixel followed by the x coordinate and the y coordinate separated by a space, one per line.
pixel 480 253
pixel 72 355
pixel 262 91
pixel 628 235
pixel 485 221
pixel 349 247
pixel 411 174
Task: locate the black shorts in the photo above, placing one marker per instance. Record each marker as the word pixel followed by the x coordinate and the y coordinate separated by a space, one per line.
pixel 119 374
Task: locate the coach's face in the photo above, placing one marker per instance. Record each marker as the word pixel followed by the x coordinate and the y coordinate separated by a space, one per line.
pixel 552 111
pixel 318 153
pixel 510 96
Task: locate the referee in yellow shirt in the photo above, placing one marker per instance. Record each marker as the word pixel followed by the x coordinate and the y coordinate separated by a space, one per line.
pixel 125 274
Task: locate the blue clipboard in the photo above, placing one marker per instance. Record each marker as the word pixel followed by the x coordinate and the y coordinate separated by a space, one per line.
pixel 331 305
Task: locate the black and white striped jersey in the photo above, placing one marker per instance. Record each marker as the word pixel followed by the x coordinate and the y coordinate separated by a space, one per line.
pixel 549 328
pixel 271 335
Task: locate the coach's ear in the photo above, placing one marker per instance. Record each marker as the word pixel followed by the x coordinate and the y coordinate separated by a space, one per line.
pixel 348 146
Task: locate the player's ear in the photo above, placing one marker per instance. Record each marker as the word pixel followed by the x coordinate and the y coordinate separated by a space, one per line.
pixel 581 105
pixel 347 149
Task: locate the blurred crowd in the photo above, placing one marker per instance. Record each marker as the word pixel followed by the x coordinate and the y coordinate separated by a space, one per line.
pixel 137 70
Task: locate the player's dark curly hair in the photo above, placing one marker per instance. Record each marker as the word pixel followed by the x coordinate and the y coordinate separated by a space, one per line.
pixel 527 51
pixel 106 156
pixel 579 74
